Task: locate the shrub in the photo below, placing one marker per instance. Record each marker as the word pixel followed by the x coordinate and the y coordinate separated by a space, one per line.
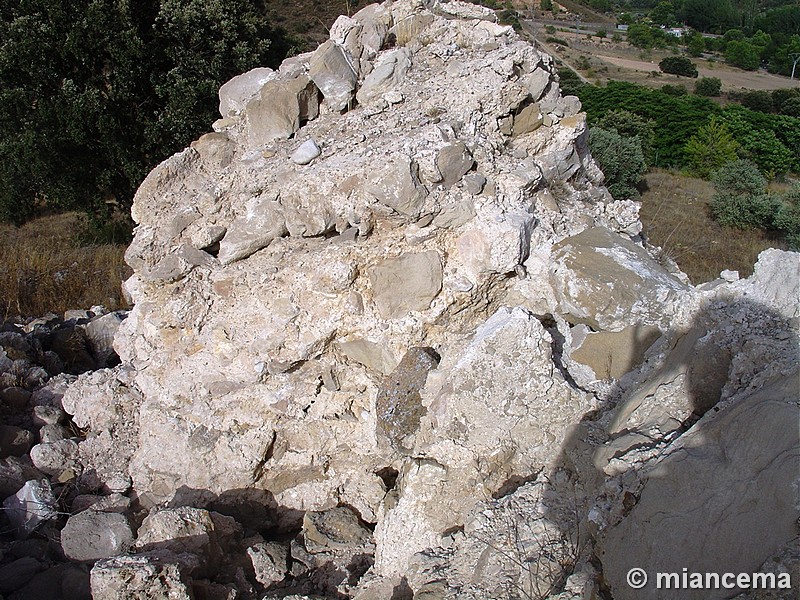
pixel 782 95
pixel 674 90
pixel 710 148
pixel 759 100
pixel 742 54
pixel 678 65
pixel 746 212
pixel 739 178
pixel 790 107
pixel 621 159
pixel 708 86
pixel 630 125
pixel 787 219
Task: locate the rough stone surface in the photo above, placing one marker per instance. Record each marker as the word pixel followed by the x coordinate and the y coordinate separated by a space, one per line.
pixel 408 282
pixel 399 405
pixel 270 562
pixel 183 530
pixel 456 206
pixel 277 111
pixel 710 482
pixel 453 161
pixel 133 577
pixel 235 94
pixel 92 535
pixel 53 458
pixel 334 529
pixel 387 73
pixel 397 185
pixel 306 152
pixel 331 68
pixel 610 283
pixel 31 506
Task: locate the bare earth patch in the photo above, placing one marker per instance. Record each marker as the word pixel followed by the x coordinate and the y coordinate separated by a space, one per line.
pixel 731 77
pixel 675 214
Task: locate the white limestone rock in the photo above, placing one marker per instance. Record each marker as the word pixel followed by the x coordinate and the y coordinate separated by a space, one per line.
pixel 332 70
pixel 236 93
pixel 31 506
pixel 305 153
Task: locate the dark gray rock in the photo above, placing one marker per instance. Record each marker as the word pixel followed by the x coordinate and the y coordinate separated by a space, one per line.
pixel 14 441
pixel 453 162
pixel 92 535
pixel 399 404
pixel 16 574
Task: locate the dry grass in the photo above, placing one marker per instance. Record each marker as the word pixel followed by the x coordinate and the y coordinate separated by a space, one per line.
pixel 44 268
pixel 675 214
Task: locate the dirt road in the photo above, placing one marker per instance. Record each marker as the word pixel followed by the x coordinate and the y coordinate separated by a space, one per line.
pixel 731 78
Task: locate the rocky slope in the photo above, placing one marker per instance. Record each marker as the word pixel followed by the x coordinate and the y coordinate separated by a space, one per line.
pixel 392 338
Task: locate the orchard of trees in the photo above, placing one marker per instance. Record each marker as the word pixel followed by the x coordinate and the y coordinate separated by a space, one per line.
pixel 634 127
pixel 94 93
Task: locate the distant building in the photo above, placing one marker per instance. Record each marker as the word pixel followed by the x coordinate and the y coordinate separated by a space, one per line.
pixel 676 31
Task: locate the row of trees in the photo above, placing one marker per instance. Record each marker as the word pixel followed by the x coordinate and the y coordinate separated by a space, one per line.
pixel 94 93
pixel 771 141
pixel 718 16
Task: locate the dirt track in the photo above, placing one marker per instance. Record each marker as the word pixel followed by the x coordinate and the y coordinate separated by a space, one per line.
pixel 731 78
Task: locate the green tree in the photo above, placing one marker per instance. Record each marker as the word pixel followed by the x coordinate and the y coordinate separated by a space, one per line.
pixel 674 90
pixel 790 107
pixel 621 159
pixel 739 177
pixel 759 100
pixel 546 5
pixel 787 218
pixel 710 148
pixel 740 198
pixel 94 93
pixel 678 65
pixel 709 15
pixel 696 45
pixel 708 86
pixel 663 14
pixel 630 125
pixel 742 54
pixel 642 36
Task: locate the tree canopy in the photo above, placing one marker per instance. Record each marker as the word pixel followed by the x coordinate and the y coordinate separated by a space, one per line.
pixel 95 93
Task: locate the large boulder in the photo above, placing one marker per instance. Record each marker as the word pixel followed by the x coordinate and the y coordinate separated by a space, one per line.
pixel 409 282
pixel 608 282
pixel 277 111
pixel 92 535
pixel 703 505
pixel 332 70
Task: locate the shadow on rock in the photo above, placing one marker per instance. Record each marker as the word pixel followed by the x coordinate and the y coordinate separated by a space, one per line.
pixel 694 469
